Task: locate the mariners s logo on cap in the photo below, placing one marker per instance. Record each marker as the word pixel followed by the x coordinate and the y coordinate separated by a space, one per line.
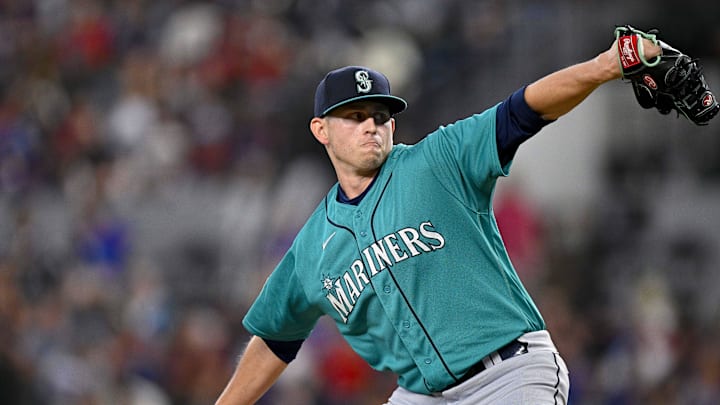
pixel 354 83
pixel 364 84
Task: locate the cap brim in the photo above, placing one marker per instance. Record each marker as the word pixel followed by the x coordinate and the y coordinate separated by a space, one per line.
pixel 395 104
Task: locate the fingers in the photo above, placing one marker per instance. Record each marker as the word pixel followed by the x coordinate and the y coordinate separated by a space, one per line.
pixel 650 49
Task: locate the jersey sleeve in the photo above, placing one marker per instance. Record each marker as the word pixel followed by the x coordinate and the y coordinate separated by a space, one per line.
pixel 464 157
pixel 282 311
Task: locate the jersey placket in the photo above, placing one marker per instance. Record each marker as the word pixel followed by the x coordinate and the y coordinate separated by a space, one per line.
pixel 398 310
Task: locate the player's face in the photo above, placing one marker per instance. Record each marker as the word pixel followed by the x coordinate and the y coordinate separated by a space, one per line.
pixel 359 135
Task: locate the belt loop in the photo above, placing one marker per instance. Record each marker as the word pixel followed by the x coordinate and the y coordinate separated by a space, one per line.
pixel 487 362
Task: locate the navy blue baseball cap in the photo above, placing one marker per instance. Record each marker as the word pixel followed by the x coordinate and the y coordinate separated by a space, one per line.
pixel 354 83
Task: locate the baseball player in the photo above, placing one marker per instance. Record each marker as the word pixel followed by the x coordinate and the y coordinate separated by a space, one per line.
pixel 405 255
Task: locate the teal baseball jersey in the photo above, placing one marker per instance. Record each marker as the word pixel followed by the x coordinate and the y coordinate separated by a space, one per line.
pixel 416 276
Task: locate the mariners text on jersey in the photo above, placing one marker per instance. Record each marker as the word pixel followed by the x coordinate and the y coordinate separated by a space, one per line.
pixel 393 248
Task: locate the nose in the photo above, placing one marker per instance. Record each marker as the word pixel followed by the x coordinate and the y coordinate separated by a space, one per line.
pixel 371 124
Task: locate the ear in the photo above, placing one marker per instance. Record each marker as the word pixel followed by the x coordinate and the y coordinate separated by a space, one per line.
pixel 319 130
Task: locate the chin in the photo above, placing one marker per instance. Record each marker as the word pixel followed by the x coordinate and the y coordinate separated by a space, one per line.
pixel 374 164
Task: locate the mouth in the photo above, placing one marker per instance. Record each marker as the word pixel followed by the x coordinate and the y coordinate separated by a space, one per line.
pixel 371 144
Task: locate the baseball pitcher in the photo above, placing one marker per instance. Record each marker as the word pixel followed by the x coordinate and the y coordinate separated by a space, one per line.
pixel 404 253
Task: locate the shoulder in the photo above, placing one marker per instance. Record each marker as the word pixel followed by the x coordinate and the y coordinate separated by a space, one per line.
pixel 479 121
pixel 466 132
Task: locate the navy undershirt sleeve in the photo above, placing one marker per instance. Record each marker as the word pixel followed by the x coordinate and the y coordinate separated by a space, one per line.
pixel 285 351
pixel 515 123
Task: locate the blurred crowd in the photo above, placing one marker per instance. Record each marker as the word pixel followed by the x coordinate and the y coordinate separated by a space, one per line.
pixel 155 163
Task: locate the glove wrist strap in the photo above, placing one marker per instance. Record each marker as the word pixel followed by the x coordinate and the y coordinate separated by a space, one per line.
pixel 631 50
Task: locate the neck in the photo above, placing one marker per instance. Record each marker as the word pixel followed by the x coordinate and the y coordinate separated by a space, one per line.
pixel 354 185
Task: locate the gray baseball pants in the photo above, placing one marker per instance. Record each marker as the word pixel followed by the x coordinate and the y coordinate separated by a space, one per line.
pixel 537 377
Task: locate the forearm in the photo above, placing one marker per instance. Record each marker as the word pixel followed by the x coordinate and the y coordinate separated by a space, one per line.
pixel 256 372
pixel 556 94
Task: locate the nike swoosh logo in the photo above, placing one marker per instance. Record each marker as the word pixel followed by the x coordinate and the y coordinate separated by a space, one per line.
pixel 328 240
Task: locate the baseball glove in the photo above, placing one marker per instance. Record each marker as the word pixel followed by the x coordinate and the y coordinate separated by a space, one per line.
pixel 671 81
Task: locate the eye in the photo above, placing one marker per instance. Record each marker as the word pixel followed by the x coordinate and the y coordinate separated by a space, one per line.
pixel 358 116
pixel 380 117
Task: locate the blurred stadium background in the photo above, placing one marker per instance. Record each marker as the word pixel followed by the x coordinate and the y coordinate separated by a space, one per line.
pixel 155 162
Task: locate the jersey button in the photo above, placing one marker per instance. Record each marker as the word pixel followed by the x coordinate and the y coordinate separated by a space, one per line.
pixel 406 324
pixel 387 289
pixel 428 360
pixel 363 234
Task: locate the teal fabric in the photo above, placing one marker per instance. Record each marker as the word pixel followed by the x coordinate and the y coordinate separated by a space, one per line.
pixel 416 276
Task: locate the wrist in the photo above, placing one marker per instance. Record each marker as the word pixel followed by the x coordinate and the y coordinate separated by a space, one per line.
pixel 608 65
